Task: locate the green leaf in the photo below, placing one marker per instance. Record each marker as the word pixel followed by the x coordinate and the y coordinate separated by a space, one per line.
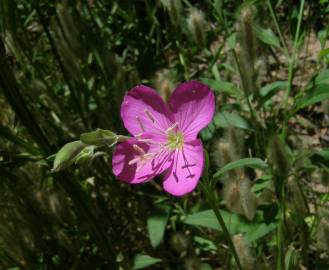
pixel 323 53
pixel 267 36
pixel 205 244
pixel 269 90
pixel 156 224
pixel 245 162
pixel 231 41
pixel 225 119
pixel 291 258
pixel 218 5
pixel 205 218
pixel 321 158
pixel 208 132
pixel 316 94
pixel 322 36
pixel 67 154
pixel 321 78
pixel 236 224
pixel 143 260
pixel 259 231
pixel 220 86
pixel 9 135
pixel 205 266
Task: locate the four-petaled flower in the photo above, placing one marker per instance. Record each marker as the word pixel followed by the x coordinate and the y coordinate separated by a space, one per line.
pixel 165 136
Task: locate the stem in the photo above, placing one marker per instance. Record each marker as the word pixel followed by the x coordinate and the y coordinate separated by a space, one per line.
pixel 275 20
pixel 280 233
pixel 293 56
pixel 244 87
pixel 292 60
pixel 212 202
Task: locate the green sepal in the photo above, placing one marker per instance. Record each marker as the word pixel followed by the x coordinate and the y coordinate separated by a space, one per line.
pixel 66 156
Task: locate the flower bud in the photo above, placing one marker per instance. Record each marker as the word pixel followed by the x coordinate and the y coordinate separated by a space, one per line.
pixel 67 154
pixel 100 137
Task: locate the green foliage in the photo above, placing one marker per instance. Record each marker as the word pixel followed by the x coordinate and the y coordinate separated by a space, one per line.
pixel 245 162
pixel 156 224
pixel 67 155
pixel 141 261
pixel 65 67
pixel 267 36
pixel 236 224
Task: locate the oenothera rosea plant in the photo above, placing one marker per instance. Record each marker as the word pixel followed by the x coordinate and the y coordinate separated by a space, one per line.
pixel 164 136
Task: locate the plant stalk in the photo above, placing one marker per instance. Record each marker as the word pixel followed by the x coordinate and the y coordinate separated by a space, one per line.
pixel 292 60
pixel 213 204
pixel 278 29
pixel 280 264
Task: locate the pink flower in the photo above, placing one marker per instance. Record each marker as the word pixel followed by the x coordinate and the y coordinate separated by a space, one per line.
pixel 165 136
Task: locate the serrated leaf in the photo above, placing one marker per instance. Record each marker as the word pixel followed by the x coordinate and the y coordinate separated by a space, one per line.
pixel 156 224
pixel 267 36
pixel 225 119
pixel 143 260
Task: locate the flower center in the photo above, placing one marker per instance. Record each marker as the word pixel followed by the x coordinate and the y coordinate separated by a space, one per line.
pixel 175 140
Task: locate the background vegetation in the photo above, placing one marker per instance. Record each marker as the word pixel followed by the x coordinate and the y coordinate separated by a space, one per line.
pixel 64 69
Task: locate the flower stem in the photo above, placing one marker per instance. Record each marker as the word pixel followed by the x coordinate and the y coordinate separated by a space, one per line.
pixel 210 196
pixel 275 20
pixel 280 232
pixel 292 60
pixel 244 87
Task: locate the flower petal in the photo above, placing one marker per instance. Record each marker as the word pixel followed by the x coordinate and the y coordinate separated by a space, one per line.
pixel 193 105
pixel 186 169
pixel 130 165
pixel 143 110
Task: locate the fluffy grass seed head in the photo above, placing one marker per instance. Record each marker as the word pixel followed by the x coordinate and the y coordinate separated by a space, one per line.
pixel 197 26
pixel 244 252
